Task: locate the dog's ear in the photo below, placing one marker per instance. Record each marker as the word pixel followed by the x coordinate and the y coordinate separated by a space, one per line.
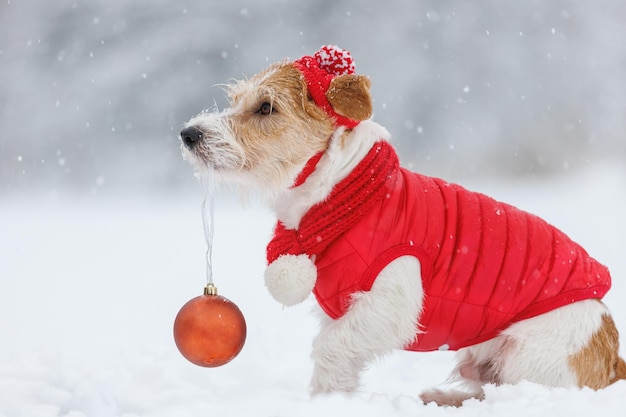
pixel 349 95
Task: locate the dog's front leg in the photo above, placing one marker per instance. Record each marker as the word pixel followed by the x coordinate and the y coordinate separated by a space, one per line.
pixel 378 321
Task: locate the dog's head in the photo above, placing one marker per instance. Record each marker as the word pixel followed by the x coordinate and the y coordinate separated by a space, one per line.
pixel 278 120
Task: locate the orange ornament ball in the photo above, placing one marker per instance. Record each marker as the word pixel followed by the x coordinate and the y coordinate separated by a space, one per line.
pixel 210 330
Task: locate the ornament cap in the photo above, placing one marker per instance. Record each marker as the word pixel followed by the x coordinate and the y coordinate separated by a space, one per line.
pixel 210 289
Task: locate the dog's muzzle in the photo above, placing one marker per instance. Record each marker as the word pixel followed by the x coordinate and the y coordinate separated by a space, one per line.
pixel 190 136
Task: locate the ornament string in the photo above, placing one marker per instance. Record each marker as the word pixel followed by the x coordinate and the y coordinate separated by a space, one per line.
pixel 208 211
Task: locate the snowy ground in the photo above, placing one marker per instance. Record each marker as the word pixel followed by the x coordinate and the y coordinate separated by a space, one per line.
pixel 89 288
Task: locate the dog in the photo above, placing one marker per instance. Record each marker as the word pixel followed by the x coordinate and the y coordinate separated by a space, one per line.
pixel 397 260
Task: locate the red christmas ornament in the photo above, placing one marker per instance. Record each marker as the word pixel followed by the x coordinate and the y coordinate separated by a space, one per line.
pixel 209 330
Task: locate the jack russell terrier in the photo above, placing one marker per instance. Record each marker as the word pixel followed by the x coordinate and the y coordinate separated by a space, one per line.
pixel 398 260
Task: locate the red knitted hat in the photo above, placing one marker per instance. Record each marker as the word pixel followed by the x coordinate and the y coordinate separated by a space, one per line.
pixel 319 70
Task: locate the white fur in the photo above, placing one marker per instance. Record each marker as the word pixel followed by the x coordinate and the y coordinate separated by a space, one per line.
pixel 542 344
pixel 224 152
pixel 535 350
pixel 381 320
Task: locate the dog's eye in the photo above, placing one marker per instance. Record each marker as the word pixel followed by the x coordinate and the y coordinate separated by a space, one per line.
pixel 266 108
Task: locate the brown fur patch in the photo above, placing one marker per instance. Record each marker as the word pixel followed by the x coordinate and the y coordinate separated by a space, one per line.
pixel 620 370
pixel 350 96
pixel 598 364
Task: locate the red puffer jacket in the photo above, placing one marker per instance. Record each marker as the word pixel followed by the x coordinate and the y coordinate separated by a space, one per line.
pixel 484 264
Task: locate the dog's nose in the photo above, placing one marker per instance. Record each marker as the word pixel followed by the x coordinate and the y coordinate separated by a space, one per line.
pixel 190 136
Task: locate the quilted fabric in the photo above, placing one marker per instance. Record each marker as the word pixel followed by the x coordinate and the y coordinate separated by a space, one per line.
pixel 485 264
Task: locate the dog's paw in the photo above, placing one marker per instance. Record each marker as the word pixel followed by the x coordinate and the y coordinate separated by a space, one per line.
pixel 291 278
pixel 334 375
pixel 329 384
pixel 451 398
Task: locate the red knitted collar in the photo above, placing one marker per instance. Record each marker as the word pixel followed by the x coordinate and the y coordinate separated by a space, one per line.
pixel 348 202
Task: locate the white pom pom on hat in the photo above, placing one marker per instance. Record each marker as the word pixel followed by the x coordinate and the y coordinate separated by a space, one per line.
pixel 291 278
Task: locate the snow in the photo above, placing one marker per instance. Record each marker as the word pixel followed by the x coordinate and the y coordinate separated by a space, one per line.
pixel 91 285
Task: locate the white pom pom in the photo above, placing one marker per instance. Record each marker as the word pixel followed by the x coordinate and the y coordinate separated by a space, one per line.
pixel 291 278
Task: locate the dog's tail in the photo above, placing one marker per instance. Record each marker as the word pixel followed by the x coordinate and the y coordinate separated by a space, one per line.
pixel 620 370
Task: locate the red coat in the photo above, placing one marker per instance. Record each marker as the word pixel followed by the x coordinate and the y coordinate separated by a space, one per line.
pixel 484 264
